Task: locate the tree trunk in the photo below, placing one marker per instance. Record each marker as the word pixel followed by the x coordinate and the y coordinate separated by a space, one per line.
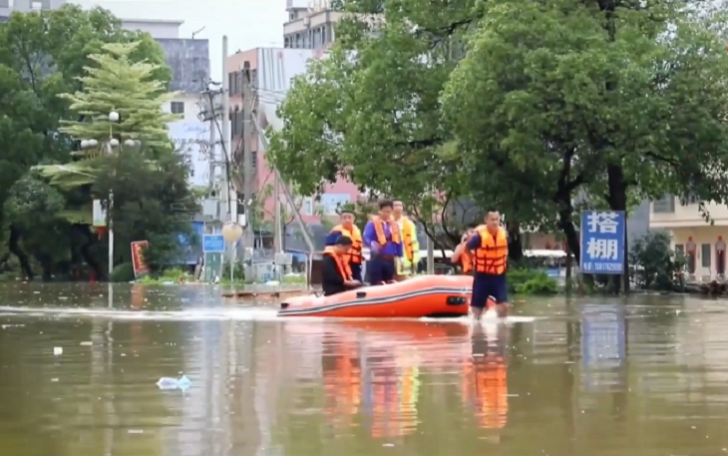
pixel 46 265
pixel 515 242
pixel 618 202
pixel 86 251
pixel 566 224
pixel 15 249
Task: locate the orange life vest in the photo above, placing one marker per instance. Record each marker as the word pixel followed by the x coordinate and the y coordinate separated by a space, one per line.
pixel 341 264
pixel 354 255
pixel 379 230
pixel 408 238
pixel 466 260
pixel 492 254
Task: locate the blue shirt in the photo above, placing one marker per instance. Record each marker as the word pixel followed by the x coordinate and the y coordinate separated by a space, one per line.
pixel 332 237
pixel 390 248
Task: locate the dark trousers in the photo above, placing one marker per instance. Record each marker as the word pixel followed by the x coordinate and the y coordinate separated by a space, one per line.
pixel 380 269
pixel 355 271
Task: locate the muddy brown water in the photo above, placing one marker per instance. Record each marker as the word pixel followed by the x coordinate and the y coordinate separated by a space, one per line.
pixel 644 377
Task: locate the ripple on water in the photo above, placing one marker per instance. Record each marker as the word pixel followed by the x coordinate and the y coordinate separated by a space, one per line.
pixel 585 376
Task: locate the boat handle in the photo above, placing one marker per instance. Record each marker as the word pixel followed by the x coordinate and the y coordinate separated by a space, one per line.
pixel 455 300
pixel 361 294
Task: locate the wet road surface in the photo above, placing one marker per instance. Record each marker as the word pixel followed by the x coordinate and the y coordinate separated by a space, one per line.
pixel 78 374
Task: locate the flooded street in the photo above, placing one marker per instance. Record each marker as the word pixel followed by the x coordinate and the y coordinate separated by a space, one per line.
pixel 79 373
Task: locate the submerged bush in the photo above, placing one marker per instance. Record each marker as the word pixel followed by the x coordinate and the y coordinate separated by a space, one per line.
pixel 655 266
pixel 530 281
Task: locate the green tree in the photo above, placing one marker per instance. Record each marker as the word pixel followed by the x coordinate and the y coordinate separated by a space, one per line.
pixel 41 56
pixel 152 200
pixel 610 94
pixel 371 112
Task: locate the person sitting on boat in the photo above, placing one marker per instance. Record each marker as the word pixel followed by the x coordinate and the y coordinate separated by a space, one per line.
pixel 461 256
pixel 489 248
pixel 348 229
pixel 383 238
pixel 407 263
pixel 336 273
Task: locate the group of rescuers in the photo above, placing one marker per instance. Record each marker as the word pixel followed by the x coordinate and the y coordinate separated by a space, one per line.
pixel 394 254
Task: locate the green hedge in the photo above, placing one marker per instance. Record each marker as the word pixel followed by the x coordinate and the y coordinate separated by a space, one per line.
pixel 123 272
pixel 531 282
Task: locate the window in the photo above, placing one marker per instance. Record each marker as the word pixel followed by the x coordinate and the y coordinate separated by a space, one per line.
pixel 323 34
pixel 287 42
pixel 690 199
pixel 178 107
pixel 307 208
pixel 298 41
pixel 331 202
pixel 664 205
pixel 254 158
pixel 705 251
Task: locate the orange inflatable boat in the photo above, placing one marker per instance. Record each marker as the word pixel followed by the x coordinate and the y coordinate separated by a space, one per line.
pixel 422 296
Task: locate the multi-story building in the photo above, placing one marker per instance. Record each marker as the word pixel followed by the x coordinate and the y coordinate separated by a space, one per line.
pixel 272 70
pixel 26 6
pixel 704 242
pixel 189 60
pixel 310 24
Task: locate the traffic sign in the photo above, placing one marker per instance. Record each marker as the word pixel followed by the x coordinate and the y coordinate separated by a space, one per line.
pixel 213 243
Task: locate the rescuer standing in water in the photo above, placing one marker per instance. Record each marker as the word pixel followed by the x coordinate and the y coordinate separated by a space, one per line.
pixel 489 249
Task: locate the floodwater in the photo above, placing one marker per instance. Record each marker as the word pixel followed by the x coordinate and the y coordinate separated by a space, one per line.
pixel 78 374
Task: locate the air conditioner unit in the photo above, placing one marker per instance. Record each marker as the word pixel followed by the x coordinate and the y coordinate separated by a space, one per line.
pixel 307 22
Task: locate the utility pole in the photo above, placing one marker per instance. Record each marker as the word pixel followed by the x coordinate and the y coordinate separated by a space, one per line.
pixel 277 222
pixel 225 130
pixel 248 235
pixel 212 145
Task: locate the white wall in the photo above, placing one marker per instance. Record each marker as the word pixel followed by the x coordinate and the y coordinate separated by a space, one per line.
pixel 191 137
pixel 158 29
pixel 191 108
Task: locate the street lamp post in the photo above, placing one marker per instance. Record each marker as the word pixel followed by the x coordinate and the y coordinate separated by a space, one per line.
pixel 232 232
pixel 111 145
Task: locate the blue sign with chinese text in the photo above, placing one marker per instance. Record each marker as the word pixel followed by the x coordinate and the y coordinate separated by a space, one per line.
pixel 603 343
pixel 602 242
pixel 213 243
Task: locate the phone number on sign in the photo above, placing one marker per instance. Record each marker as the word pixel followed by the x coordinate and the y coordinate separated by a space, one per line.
pixel 589 267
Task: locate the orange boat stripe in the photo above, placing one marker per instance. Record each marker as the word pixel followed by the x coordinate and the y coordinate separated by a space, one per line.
pixel 457 291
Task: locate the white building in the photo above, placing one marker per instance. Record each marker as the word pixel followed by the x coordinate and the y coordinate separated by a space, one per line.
pixel 189 60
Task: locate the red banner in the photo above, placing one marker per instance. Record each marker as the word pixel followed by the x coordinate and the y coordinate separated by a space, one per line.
pixel 137 258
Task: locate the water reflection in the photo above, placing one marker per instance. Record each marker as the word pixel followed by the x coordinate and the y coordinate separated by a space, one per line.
pixel 598 377
pixel 485 388
pixel 377 370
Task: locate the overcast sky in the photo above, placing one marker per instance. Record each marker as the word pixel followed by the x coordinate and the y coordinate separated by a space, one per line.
pixel 247 23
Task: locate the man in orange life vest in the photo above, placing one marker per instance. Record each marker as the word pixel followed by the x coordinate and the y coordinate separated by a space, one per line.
pixel 460 256
pixel 348 229
pixel 336 275
pixel 384 240
pixel 489 248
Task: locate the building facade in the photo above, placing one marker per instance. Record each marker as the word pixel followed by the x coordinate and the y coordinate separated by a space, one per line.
pixel 272 70
pixel 703 243
pixel 189 60
pixel 310 24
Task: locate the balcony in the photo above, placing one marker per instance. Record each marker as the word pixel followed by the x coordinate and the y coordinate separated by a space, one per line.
pixel 670 212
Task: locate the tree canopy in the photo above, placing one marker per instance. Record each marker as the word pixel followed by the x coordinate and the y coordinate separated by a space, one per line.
pixel 526 105
pixel 61 73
